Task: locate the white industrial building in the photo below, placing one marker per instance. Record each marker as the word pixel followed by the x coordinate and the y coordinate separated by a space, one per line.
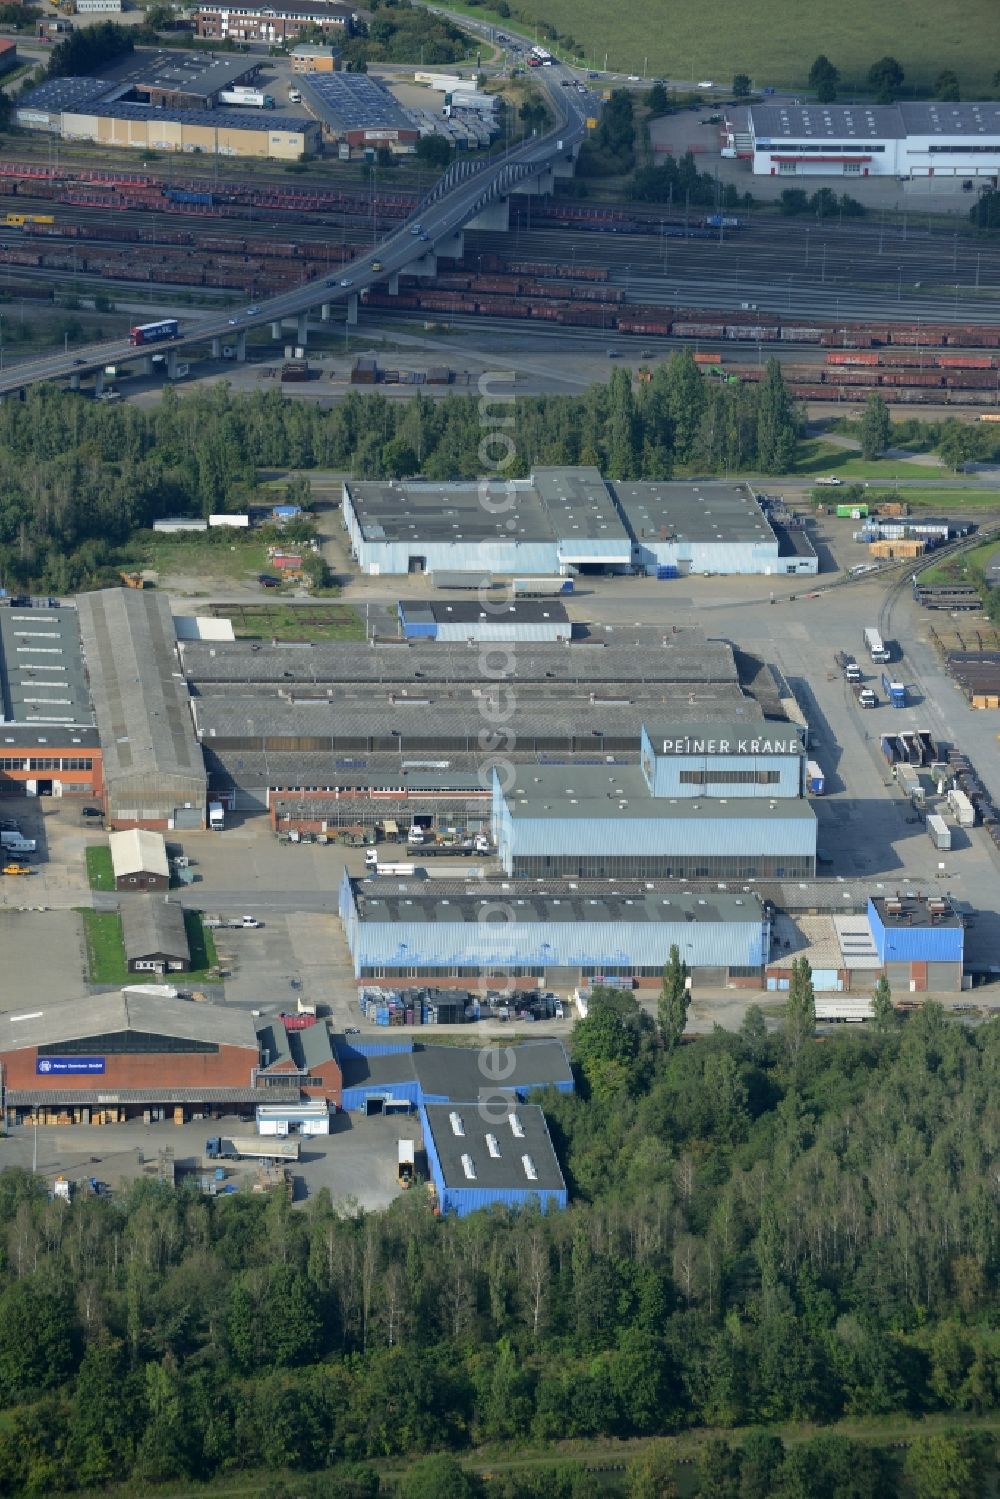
pixel 876 140
pixel 707 527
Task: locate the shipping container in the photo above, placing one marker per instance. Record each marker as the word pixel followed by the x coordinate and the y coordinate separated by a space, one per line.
pixel 939 832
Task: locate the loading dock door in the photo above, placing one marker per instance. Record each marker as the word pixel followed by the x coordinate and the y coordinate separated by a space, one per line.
pixel 374 1104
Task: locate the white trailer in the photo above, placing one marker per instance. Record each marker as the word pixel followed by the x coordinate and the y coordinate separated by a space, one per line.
pixel 844 1009
pixel 875 645
pixel 964 811
pixel 938 831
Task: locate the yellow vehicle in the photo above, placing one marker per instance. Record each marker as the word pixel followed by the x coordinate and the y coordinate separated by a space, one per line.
pixel 18 220
pixel 16 869
pixel 376 265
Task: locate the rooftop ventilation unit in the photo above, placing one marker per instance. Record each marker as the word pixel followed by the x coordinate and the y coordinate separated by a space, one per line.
pixel 457 1124
pixel 516 1127
pixel 493 1146
pixel 468 1167
pixel 530 1169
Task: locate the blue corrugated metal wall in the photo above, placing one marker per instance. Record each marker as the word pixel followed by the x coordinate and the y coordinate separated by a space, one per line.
pixel 415 629
pixel 465 1200
pixel 353 1099
pixel 921 944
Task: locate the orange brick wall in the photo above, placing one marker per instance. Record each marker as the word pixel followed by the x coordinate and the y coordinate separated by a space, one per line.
pixel 230 1067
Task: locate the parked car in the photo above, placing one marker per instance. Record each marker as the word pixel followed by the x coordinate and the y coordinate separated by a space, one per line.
pixel 268 580
pixel 91 812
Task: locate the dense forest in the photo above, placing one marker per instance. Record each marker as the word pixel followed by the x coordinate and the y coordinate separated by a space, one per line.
pixel 764 1229
pixel 78 478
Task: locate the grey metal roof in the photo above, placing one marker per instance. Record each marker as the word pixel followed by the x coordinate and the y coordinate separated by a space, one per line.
pixel 203 73
pixel 153 925
pixel 138 690
pixel 587 792
pixel 212 119
pixel 551 901
pixel 571 504
pixel 905 910
pixel 353 101
pixel 374 1072
pixel 934 117
pixel 57 94
pixel 42 678
pixel 507 1169
pixel 503 611
pixel 699 511
pixel 826 122
pixel 457 1072
pixel 618 656
pixel 116 1011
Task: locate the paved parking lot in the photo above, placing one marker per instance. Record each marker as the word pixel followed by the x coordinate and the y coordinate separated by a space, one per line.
pixel 356 1163
pixel 26 938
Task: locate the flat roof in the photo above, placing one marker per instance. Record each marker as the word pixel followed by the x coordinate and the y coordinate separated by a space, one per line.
pixel 137 850
pixel 434 902
pixel 58 94
pixel 615 657
pixel 139 693
pixel 935 117
pixel 353 101
pixel 573 793
pixel 916 911
pixel 524 1160
pixel 826 122
pixel 464 612
pixel 203 73
pixel 555 504
pixel 75 1020
pixel 456 1072
pixel 43 684
pixel 213 119
pixel 699 511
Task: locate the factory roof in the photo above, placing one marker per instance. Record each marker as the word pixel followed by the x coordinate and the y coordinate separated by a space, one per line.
pixel 136 850
pixel 500 1151
pixel 213 119
pixel 935 117
pixel 440 720
pixel 114 1012
pixel 199 73
pixel 43 685
pixel 57 94
pixel 554 901
pixel 151 925
pixel 555 504
pixel 701 511
pixel 616 656
pixel 499 611
pixel 353 101
pixel 139 694
pixel 458 1073
pixel 826 122
pixel 310 1047
pixel 575 792
pixel 906 910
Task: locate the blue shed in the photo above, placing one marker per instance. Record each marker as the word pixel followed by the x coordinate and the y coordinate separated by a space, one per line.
pixel 483 1156
pixel 416 620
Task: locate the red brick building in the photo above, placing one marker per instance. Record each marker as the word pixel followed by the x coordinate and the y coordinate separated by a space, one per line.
pixel 284 21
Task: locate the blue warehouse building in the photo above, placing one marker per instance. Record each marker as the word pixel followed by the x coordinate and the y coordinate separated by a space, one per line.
pixel 488 1158
pixel 518 621
pixel 712 802
pixel 920 942
pixel 556 932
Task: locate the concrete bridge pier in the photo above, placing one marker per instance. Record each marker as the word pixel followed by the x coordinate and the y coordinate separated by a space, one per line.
pixel 98 382
pixel 302 329
pixel 495 216
pixel 171 364
pixel 352 310
pixel 426 266
pixel 74 382
pixel 147 364
pixel 394 284
pixel 241 346
pixel 324 312
pixel 276 330
pixel 217 347
pixel 452 245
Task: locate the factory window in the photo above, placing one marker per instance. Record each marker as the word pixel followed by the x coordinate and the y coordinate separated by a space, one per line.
pixel 730 777
pixel 128 1043
pixel 74 762
pixel 665 866
pixel 9 762
pixel 44 762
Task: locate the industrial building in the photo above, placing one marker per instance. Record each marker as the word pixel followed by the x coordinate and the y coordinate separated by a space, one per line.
pixel 169 102
pixel 380 1076
pixel 154 935
pixel 904 140
pixel 154 771
pixel 303 1051
pixel 551 932
pixel 559 519
pixel 479 1160
pixel 705 527
pixel 358 111
pixel 8 55
pixel 139 860
pixel 49 743
pixel 920 941
pixel 131 1055
pixel 315 59
pixel 523 620
pixel 717 801
pixel 261 21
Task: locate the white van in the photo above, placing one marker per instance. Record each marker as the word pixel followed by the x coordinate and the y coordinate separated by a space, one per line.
pixel 371 858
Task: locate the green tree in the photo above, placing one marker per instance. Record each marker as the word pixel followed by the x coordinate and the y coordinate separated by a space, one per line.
pixel 800 1009
pixel 960 443
pixel 653 1474
pixel 824 77
pixel 761 1457
pixel 607 1042
pixel 776 425
pixel 718 1471
pixel 876 427
pixel 946 86
pixel 742 85
pixel 435 1477
pixel 886 77
pixel 657 101
pixel 882 1007
pixel 622 430
pixel 672 1006
pixel 433 151
pixel 939 1467
pixel 793 201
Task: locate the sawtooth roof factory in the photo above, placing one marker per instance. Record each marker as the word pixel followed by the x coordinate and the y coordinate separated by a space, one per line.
pixel 565 520
pixel 49 743
pixel 902 140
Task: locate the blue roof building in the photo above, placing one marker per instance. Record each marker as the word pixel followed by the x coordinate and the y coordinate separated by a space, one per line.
pixel 482 1158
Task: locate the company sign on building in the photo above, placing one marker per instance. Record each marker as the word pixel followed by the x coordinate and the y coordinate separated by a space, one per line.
pixel 64 1066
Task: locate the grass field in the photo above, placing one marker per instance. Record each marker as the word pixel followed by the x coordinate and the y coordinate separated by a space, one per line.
pixel 100 874
pixel 779 46
pixel 958 569
pixel 199 558
pixel 102 932
pixel 815 456
pixel 319 621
